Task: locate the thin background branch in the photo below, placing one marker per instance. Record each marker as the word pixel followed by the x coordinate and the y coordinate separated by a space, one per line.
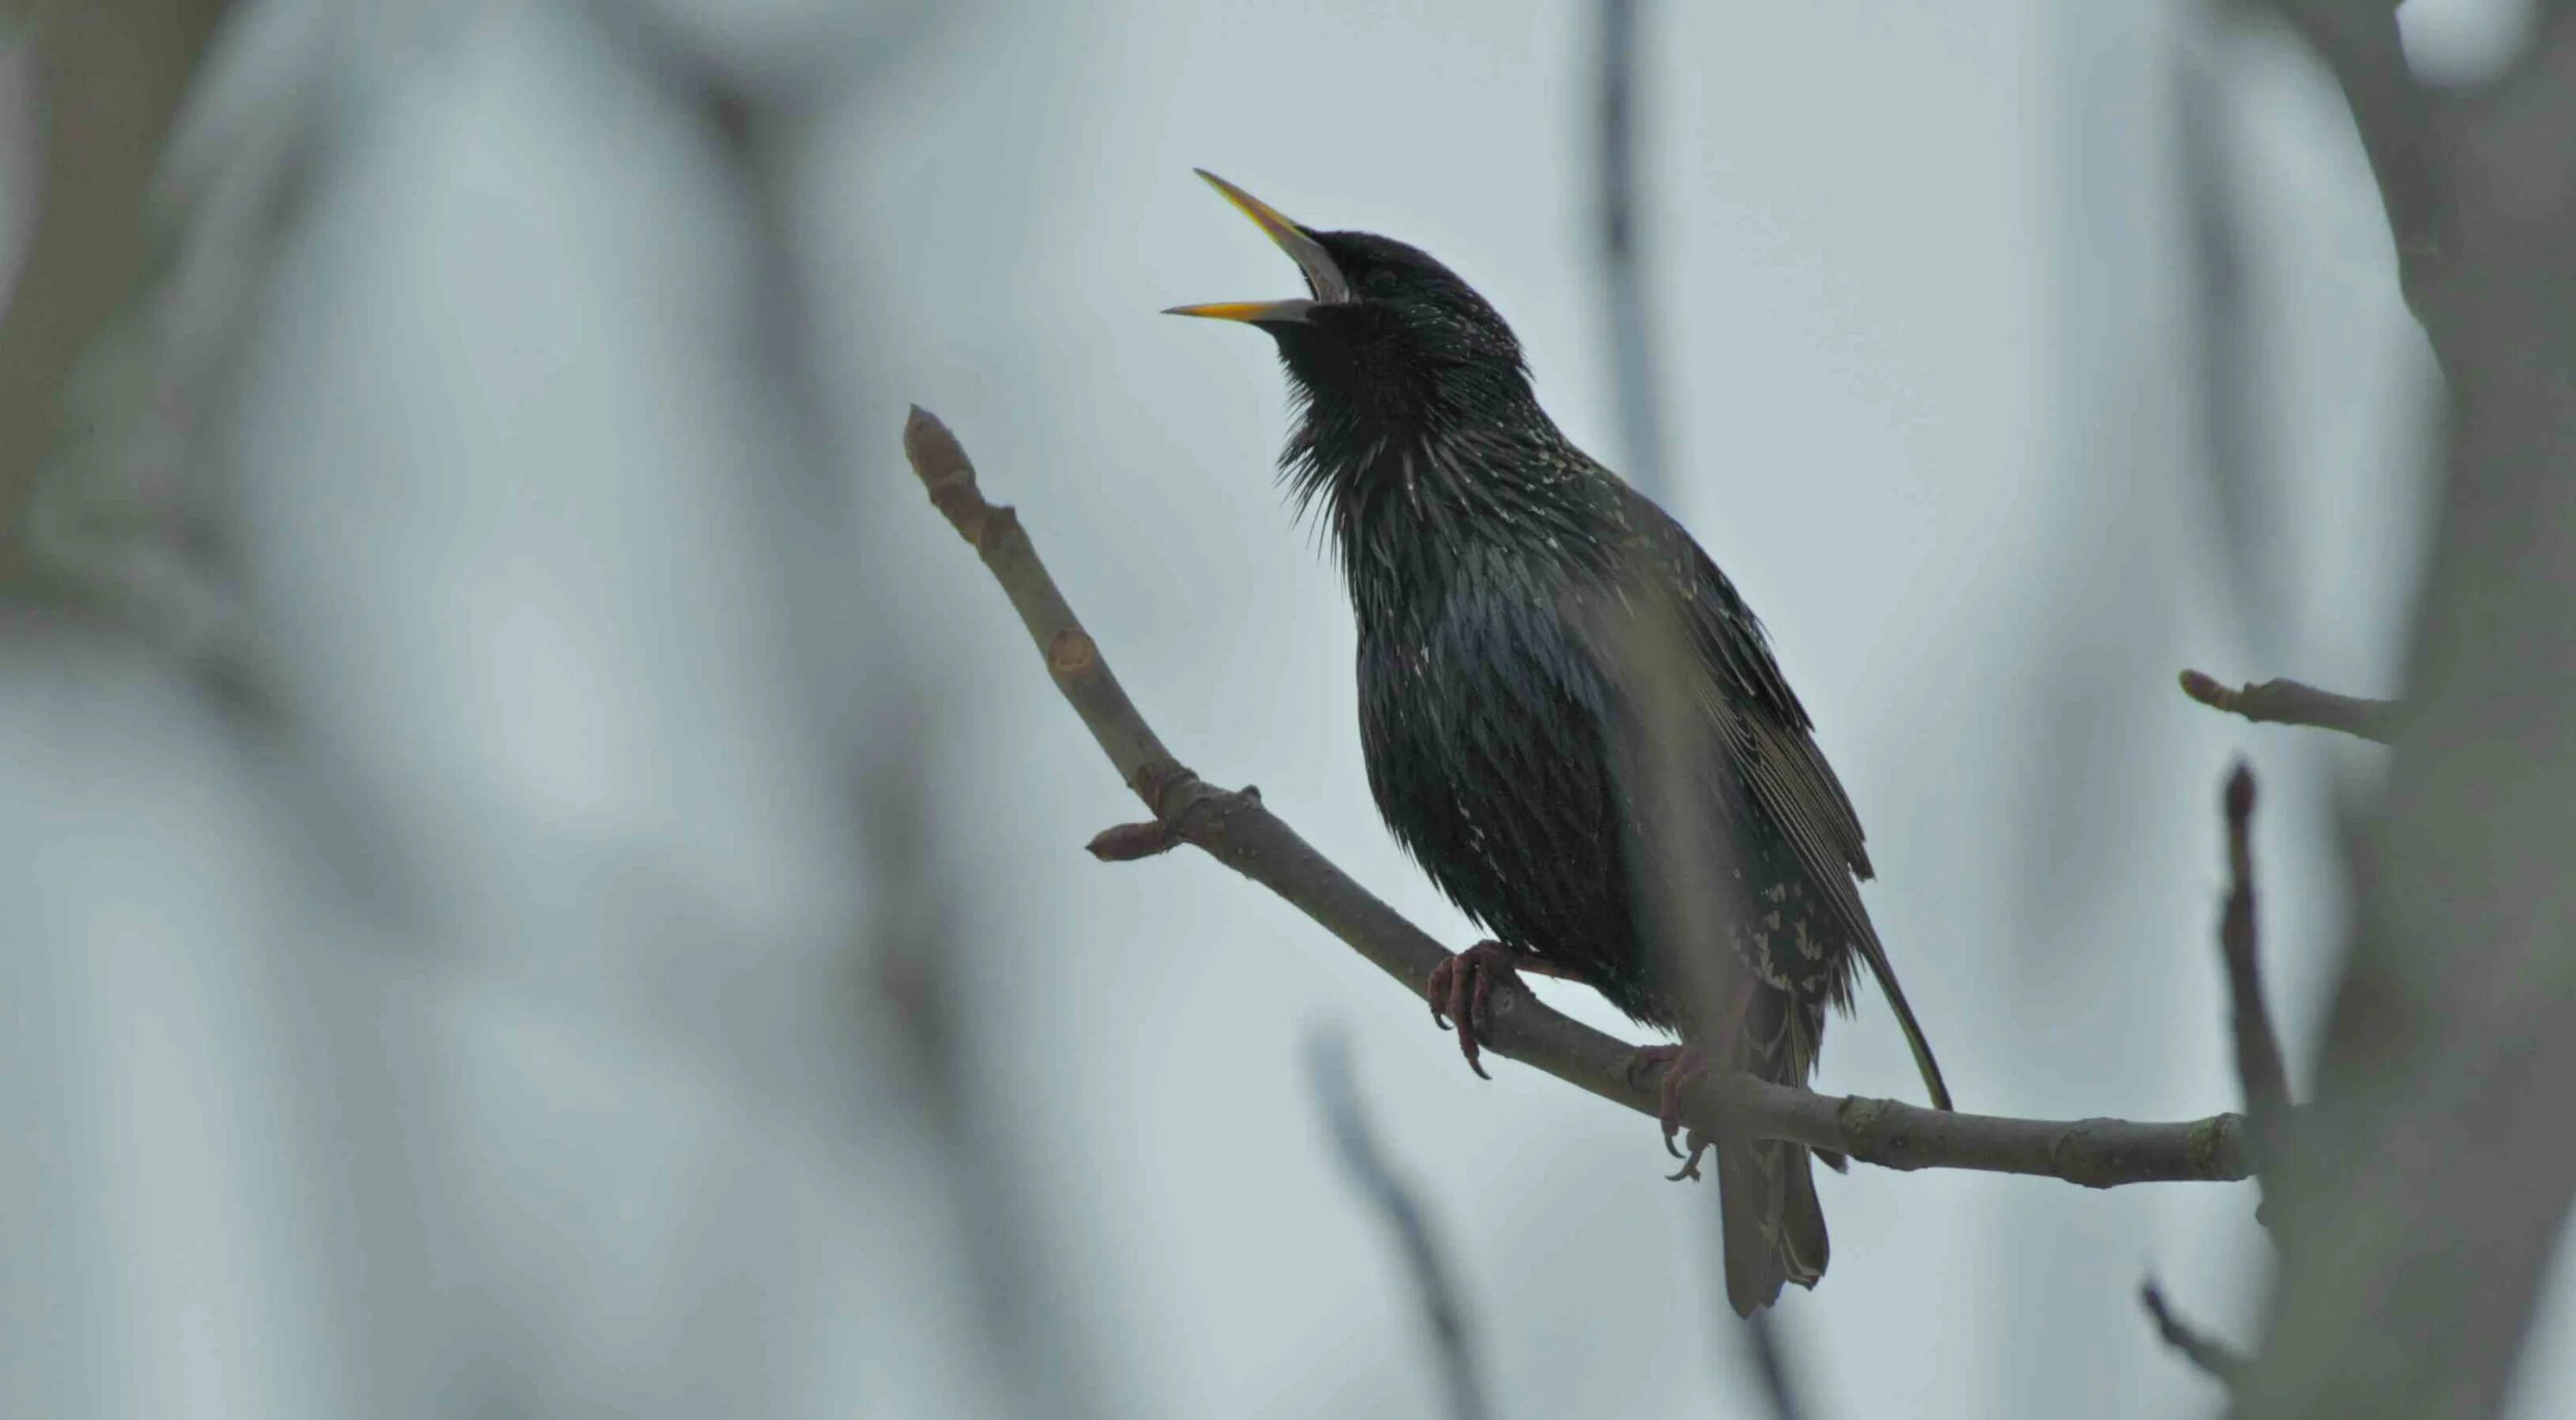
pixel 111 74
pixel 1328 1059
pixel 2227 386
pixel 1638 392
pixel 2258 1049
pixel 2213 1357
pixel 2402 128
pixel 1632 344
pixel 914 926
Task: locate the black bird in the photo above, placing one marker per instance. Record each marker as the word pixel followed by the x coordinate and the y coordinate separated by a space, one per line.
pixel 1494 568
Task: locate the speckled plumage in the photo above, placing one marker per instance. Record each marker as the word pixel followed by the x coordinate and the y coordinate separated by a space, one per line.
pixel 1485 557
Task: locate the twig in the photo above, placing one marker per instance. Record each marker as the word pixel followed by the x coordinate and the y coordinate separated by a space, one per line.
pixel 2258 1048
pixel 2289 702
pixel 1238 831
pixel 2215 1358
pixel 1328 1059
pixel 1771 1364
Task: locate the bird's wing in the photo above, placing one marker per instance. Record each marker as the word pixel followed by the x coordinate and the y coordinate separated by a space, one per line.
pixel 1772 744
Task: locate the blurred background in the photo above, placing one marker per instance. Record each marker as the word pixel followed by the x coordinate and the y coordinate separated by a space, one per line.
pixel 547 881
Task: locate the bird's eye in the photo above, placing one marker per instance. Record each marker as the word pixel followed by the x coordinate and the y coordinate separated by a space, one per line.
pixel 1380 282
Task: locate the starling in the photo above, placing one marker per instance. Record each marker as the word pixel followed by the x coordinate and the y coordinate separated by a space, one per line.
pixel 1492 565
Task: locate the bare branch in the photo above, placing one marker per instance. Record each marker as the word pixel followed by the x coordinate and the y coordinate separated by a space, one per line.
pixel 1780 1384
pixel 2216 1358
pixel 1328 1060
pixel 2288 702
pixel 2258 1049
pixel 1239 832
pixel 110 75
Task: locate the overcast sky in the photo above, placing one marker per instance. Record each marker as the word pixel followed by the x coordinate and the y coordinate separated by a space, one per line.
pixel 1923 287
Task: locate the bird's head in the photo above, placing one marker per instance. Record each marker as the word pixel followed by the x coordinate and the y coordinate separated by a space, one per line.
pixel 1385 337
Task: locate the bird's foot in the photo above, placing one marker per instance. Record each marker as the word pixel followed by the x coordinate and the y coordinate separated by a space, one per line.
pixel 1461 986
pixel 1681 1064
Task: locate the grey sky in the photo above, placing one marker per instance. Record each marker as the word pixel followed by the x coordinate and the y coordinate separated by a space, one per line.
pixel 570 636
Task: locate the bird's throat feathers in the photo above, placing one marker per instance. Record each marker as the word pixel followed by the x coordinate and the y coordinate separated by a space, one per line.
pixel 1411 467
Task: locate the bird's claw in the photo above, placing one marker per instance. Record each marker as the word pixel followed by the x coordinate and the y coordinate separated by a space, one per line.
pixel 1459 990
pixel 1680 1064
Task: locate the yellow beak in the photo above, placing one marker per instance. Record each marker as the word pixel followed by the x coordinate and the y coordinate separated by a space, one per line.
pixel 1323 277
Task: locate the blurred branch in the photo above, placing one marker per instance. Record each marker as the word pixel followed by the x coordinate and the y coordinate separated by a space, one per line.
pixel 1328 1058
pixel 2219 1361
pixel 109 76
pixel 2288 702
pixel 2400 125
pixel 2258 1049
pixel 2258 1057
pixel 1771 1365
pixel 1632 344
pixel 1236 830
pixel 1033 1340
pixel 2227 375
pixel 2426 1193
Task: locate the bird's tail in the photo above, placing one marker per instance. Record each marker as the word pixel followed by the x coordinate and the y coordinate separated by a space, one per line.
pixel 1876 956
pixel 1773 1224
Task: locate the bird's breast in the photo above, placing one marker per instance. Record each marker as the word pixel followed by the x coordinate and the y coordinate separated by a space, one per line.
pixel 1482 723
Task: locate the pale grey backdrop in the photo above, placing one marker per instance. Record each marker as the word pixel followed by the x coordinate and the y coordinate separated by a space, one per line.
pixel 486 1040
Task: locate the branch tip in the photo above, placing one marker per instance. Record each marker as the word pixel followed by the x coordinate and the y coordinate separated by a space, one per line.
pixel 2206 690
pixel 933 448
pixel 1128 842
pixel 2240 798
pixel 940 462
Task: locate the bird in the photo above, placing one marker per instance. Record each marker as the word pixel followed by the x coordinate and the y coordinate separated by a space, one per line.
pixel 1500 577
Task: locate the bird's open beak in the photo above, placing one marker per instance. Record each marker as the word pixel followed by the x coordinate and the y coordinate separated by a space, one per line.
pixel 1329 285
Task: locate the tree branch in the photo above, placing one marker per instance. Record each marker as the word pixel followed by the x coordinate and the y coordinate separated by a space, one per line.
pixel 110 76
pixel 2420 1207
pixel 2258 1048
pixel 1328 1056
pixel 2288 702
pixel 2216 1358
pixel 1236 830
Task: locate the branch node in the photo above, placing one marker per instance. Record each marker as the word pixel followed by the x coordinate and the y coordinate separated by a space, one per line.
pixel 994 524
pixel 1072 652
pixel 2207 1146
pixel 1186 808
pixel 1861 1120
